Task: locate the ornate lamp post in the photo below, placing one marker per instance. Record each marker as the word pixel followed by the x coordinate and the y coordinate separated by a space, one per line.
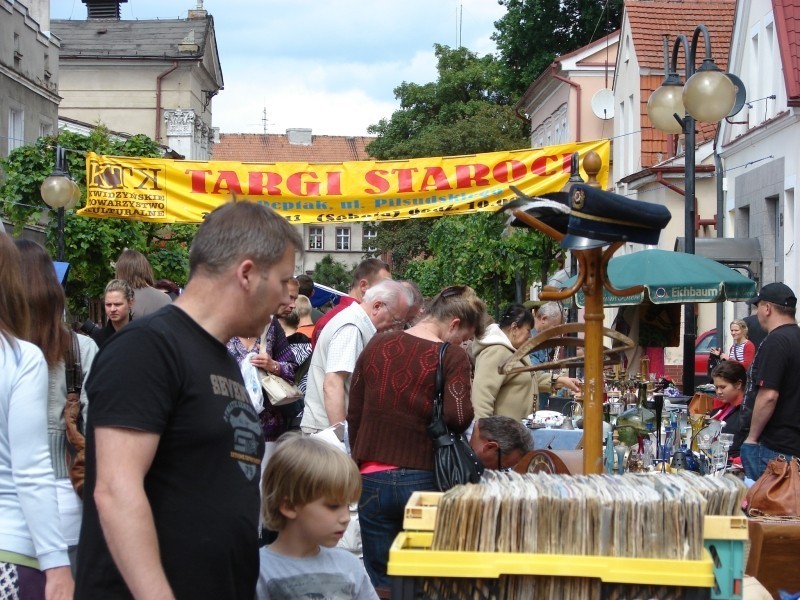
pixel 709 95
pixel 60 191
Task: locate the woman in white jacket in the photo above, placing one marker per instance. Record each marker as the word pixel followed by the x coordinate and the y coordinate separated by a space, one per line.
pixel 495 394
pixel 33 555
pixel 45 299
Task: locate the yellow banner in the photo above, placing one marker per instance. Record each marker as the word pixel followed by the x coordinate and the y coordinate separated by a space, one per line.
pixel 180 191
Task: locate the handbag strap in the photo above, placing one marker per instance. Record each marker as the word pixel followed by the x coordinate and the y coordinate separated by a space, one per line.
pixel 438 398
pixel 72 365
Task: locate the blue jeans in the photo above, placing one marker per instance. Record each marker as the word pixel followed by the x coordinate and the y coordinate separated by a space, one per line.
pixel 756 457
pixel 380 513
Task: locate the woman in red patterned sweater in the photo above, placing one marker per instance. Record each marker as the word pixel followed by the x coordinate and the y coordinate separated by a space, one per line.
pixel 391 398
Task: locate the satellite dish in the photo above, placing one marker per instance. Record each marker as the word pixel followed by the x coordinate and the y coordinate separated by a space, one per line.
pixel 603 104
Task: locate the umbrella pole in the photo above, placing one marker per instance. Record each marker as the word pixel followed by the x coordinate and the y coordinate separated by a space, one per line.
pixel 594 384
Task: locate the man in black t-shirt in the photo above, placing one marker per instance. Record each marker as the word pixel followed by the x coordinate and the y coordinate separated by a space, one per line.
pixel 755 333
pixel 174 445
pixel 771 413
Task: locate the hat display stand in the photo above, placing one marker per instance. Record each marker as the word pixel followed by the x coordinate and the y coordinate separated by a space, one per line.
pixel 592 256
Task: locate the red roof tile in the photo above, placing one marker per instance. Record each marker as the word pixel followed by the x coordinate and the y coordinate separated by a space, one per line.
pixel 787 22
pixel 653 20
pixel 273 147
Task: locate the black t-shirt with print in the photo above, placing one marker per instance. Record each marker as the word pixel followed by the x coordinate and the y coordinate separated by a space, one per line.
pixel 777 366
pixel 164 374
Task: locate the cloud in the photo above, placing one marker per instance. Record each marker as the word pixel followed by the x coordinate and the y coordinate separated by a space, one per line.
pixel 331 65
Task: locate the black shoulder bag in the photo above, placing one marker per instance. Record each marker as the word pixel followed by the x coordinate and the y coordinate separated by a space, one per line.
pixel 454 460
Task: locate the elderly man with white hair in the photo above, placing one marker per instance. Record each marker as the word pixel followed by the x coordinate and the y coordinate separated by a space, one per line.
pixel 385 306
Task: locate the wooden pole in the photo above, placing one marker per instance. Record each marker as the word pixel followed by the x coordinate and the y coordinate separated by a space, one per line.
pixel 593 383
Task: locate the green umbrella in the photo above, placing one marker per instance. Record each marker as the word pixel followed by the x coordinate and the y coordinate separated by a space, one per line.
pixel 672 278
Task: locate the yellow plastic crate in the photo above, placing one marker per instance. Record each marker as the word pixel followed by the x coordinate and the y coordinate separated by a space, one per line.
pixel 420 513
pixel 723 528
pixel 410 556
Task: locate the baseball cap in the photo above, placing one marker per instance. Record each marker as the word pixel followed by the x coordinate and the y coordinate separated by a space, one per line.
pixel 776 293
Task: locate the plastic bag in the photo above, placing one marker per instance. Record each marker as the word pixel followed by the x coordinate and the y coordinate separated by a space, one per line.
pixel 252 382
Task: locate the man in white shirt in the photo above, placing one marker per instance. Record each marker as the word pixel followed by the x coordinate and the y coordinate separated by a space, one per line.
pixel 385 306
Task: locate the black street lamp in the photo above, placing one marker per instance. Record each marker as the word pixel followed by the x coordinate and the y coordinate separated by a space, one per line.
pixel 60 191
pixel 709 95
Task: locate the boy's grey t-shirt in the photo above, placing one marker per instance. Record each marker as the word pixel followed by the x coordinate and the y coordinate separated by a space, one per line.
pixel 333 574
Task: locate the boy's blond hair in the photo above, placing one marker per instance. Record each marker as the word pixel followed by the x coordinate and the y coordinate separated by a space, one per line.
pixel 302 470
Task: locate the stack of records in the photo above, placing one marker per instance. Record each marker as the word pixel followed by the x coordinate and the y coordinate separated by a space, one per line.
pixel 632 516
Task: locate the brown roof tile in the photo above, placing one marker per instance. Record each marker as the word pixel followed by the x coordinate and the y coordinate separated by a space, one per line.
pixel 273 147
pixel 787 21
pixel 652 20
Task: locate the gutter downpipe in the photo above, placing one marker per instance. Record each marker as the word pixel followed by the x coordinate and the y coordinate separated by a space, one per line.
pixel 577 103
pixel 678 190
pixel 720 219
pixel 159 79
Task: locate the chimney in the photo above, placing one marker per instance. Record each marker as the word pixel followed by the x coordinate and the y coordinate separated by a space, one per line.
pixel 103 9
pixel 299 137
pixel 198 12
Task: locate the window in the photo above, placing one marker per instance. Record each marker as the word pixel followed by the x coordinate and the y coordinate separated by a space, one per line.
pixel 370 233
pixel 16 129
pixel 315 238
pixel 17 53
pixel 343 238
pixel 45 129
pixel 756 70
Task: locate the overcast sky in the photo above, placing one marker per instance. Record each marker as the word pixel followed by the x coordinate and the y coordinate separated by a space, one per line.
pixel 330 65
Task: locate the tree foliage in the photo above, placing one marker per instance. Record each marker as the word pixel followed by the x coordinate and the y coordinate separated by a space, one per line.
pixel 478 251
pixel 533 32
pixel 463 112
pixel 90 245
pixel 333 273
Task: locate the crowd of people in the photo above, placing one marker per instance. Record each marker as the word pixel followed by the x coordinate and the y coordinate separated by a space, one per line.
pixel 200 485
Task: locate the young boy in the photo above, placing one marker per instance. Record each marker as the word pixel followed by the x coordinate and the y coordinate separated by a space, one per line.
pixel 307 487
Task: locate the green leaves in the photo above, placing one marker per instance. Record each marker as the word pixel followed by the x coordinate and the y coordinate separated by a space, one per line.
pixel 463 112
pixel 90 245
pixel 474 250
pixel 533 32
pixel 333 273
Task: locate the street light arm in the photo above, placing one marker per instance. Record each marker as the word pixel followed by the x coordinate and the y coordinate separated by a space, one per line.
pixel 706 39
pixel 680 40
pixel 681 121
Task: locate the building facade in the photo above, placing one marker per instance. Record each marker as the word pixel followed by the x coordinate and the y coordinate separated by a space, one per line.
pixel 152 77
pixel 648 164
pixel 29 66
pixel 761 145
pixel 572 101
